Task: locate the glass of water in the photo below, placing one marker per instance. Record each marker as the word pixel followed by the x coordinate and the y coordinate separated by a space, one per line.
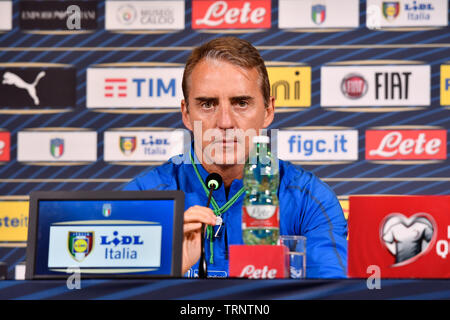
pixel 297 255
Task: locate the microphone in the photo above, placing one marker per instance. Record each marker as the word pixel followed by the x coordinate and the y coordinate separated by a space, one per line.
pixel 213 182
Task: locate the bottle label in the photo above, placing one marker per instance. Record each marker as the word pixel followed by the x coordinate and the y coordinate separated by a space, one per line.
pixel 260 216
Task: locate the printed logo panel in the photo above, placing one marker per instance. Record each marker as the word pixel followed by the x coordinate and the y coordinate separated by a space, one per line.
pixel 57 15
pixel 5 15
pixel 445 85
pixel 406 144
pixel 134 87
pixel 320 15
pixel 405 236
pixel 5 146
pixel 326 145
pixel 124 146
pixel 109 246
pixel 231 14
pixel 290 86
pixel 407 85
pixel 144 15
pixel 62 146
pixel 13 221
pixel 407 13
pixel 35 87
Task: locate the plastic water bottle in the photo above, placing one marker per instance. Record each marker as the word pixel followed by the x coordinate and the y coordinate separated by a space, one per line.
pixel 260 211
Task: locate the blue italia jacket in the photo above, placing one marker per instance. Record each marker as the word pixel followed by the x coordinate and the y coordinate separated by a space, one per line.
pixel 308 207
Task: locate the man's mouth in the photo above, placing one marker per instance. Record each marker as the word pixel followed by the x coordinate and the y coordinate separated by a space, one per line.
pixel 229 141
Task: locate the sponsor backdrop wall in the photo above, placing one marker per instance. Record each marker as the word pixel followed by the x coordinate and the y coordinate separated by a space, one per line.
pixel 90 91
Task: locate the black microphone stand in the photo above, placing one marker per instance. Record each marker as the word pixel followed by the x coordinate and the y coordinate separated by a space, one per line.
pixel 202 267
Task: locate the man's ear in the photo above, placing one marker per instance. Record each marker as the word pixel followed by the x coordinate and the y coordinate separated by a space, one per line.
pixel 269 112
pixel 185 116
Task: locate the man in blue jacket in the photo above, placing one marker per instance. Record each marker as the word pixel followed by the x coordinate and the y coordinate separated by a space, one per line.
pixel 226 89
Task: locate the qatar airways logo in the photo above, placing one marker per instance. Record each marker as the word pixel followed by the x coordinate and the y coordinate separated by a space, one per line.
pixel 231 14
pixel 406 144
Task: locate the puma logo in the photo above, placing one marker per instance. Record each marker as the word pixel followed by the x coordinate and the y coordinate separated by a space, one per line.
pixel 13 79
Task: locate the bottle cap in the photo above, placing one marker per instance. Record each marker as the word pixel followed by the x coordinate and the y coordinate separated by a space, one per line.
pixel 261 139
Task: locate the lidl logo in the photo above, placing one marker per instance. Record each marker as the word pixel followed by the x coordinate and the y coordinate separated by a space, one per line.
pixel 80 244
pixel 290 86
pixel 445 85
pixel 391 9
pixel 127 145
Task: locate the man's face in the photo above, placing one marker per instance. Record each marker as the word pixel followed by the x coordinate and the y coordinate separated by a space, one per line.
pixel 225 110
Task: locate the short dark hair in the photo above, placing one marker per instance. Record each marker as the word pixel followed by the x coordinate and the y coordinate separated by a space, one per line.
pixel 236 51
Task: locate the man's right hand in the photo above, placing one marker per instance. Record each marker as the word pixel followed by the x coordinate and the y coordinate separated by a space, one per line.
pixel 194 217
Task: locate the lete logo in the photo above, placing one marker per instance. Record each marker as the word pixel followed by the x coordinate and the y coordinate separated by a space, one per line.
pixel 231 14
pixel 406 144
pixel 251 272
pixel 408 238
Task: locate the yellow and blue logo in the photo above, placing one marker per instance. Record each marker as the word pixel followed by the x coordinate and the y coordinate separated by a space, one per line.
pixel 13 221
pixel 290 86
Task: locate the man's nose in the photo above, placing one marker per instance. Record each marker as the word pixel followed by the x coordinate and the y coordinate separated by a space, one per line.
pixel 225 118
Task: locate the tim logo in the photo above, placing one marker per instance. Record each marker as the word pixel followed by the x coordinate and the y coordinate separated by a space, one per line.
pixel 115 87
pixel 408 238
pixel 134 87
pixel 13 79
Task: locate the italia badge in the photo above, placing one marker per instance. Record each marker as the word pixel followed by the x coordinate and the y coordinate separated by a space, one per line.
pixel 106 210
pixel 80 244
pixel 318 13
pixel 57 147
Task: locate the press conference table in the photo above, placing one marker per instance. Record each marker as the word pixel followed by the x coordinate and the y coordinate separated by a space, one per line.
pixel 225 289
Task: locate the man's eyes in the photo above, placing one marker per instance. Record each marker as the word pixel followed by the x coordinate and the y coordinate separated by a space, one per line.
pixel 210 104
pixel 207 104
pixel 242 103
